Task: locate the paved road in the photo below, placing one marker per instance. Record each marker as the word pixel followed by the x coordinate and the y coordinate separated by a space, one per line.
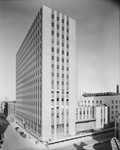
pixel 13 141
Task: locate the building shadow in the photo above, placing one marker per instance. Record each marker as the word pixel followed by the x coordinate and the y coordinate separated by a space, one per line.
pixel 103 146
pixel 79 147
pixel 103 141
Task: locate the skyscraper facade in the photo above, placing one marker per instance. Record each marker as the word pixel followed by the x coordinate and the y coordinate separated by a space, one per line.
pixel 46 86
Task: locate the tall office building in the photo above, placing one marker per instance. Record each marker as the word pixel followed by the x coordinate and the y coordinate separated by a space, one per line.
pixel 46 87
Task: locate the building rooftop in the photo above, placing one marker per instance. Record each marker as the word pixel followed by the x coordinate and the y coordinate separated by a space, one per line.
pixel 100 94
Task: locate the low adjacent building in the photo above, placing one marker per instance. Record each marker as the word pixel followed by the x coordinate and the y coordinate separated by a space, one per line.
pixel 117 127
pixel 111 99
pixel 11 109
pixel 91 118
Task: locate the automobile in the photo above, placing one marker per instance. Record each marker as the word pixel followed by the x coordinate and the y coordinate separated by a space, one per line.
pixel 21 133
pixel 24 135
pixel 16 128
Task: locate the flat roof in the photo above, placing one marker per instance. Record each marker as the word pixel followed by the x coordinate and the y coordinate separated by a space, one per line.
pixel 100 94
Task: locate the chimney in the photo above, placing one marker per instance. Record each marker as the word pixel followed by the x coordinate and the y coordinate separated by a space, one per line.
pixel 117 89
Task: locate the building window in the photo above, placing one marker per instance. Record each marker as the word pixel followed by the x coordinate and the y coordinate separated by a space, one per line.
pixel 62 75
pixel 57 58
pixel 67 76
pixel 57 18
pixel 52 16
pixel 52 40
pixel 52 82
pixel 57 26
pixel 57 82
pixel 52 49
pixel 57 66
pixel 67 60
pixel 52 32
pixel 62 101
pixel 67 53
pixel 52 74
pixel 57 42
pixel 57 50
pixel 67 102
pixel 52 24
pixel 52 103
pixel 67 69
pixel 52 57
pixel 57 34
pixel 57 74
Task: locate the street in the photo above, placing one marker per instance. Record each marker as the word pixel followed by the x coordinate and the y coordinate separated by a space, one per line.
pixel 14 141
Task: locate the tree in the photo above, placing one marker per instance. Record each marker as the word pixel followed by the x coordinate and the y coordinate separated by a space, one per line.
pixel 6 109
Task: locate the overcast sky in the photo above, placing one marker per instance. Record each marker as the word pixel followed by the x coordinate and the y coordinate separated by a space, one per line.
pixel 97 41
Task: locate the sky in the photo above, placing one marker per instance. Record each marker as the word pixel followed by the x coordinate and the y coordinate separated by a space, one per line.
pixel 97 41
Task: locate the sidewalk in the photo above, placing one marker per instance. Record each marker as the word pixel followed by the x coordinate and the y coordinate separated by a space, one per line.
pixel 86 140
pixel 68 143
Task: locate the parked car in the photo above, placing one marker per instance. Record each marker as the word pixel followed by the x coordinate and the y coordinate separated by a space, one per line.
pixel 21 133
pixel 16 128
pixel 24 135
